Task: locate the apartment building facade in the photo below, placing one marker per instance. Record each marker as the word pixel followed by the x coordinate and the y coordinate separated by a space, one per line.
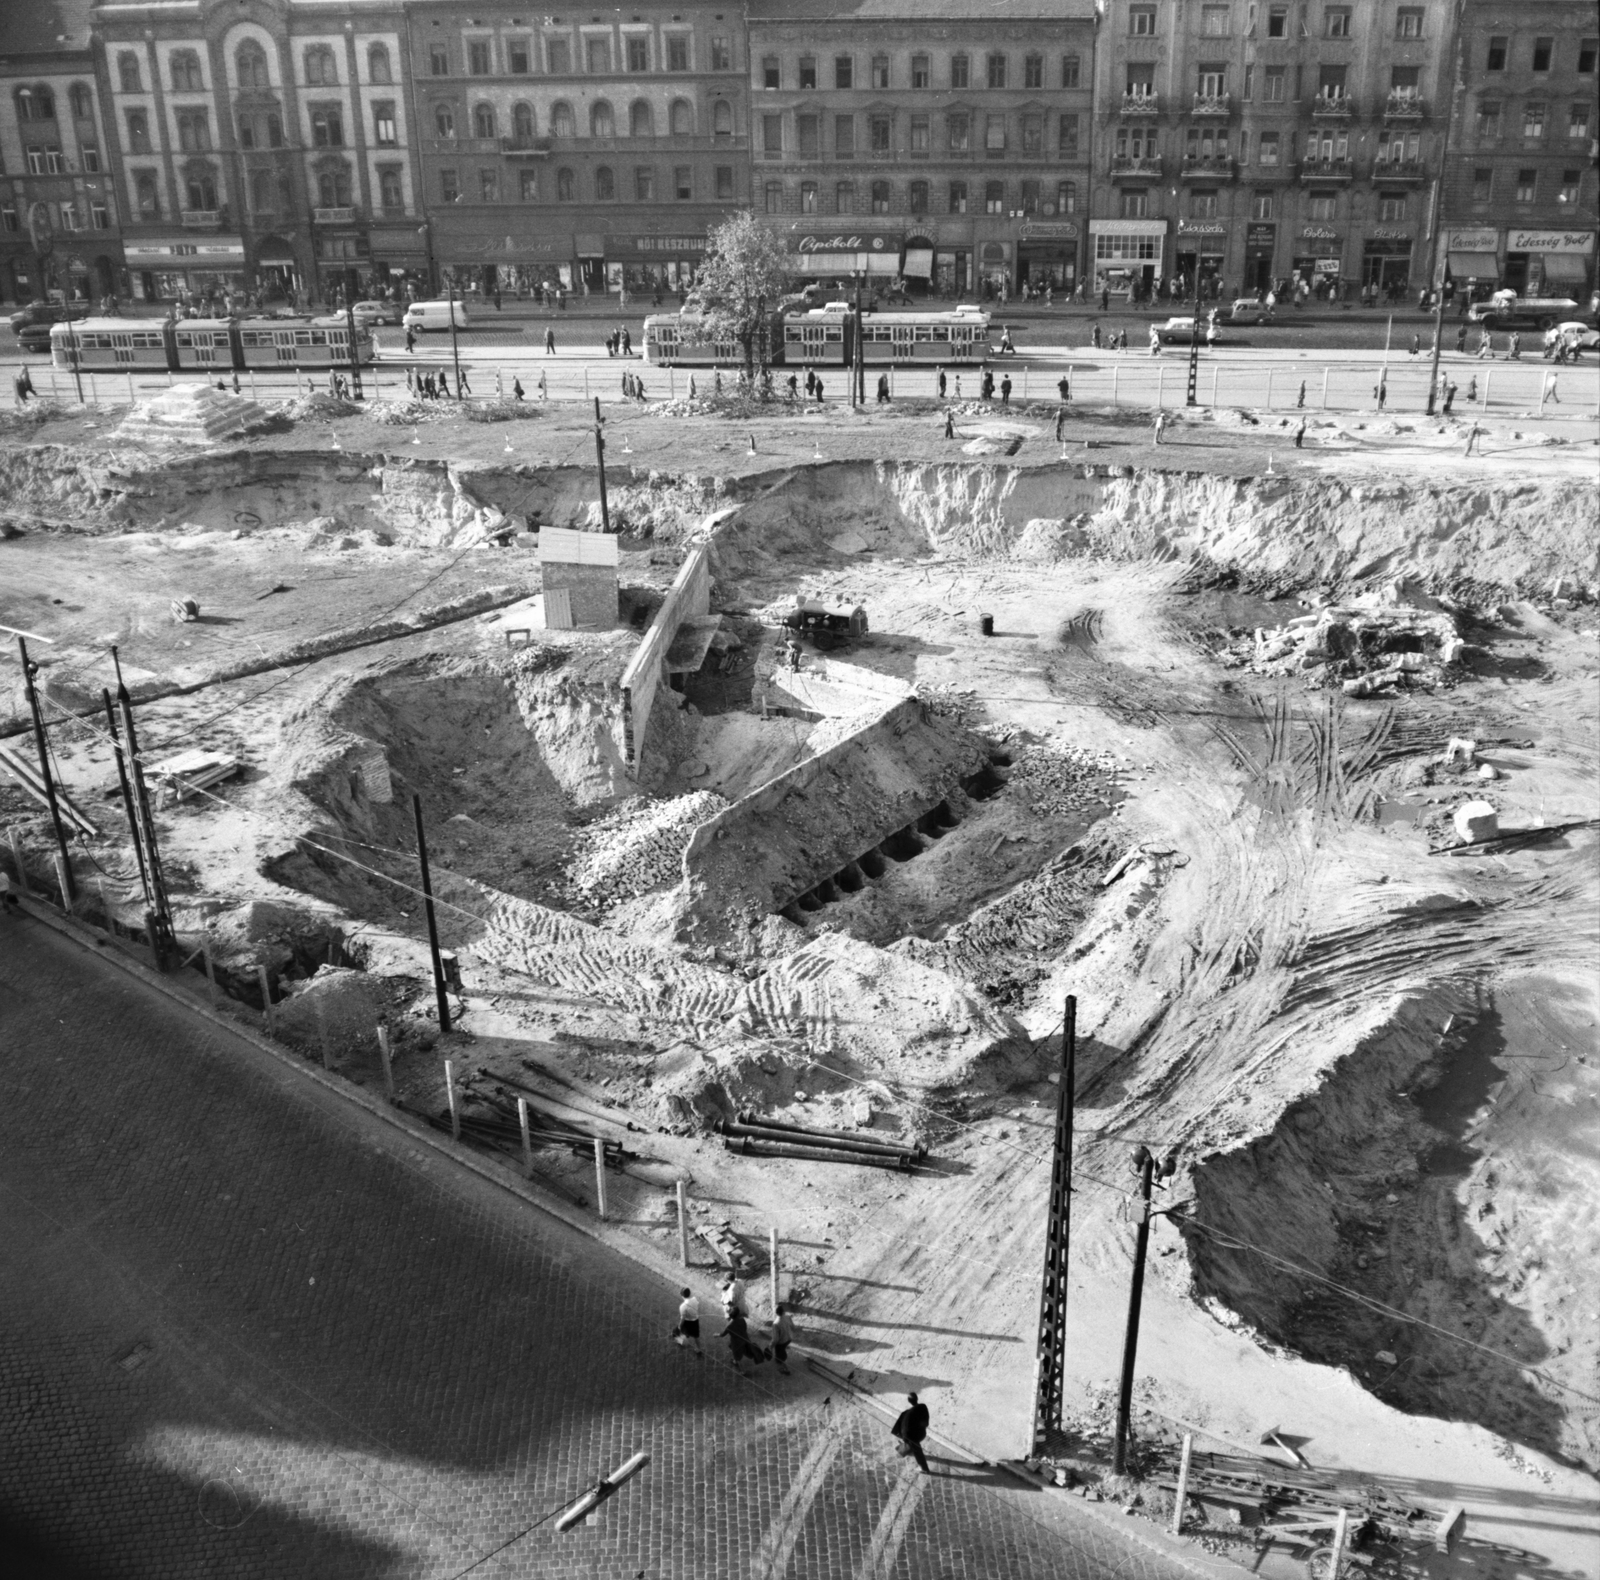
pixel 1520 198
pixel 60 236
pixel 1258 141
pixel 590 152
pixel 260 146
pixel 936 143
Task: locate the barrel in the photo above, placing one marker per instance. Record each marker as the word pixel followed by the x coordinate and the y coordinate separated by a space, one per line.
pixel 986 624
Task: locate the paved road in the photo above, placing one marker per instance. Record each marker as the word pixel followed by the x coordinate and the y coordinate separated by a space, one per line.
pixel 247 1330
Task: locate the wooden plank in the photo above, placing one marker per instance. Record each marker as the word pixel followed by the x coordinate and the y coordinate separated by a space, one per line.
pixel 28 777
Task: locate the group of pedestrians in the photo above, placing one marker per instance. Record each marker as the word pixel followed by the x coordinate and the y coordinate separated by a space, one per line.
pixel 436 385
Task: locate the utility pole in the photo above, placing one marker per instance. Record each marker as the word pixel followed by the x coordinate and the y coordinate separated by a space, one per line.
pixel 1145 1162
pixel 127 798
pixel 858 357
pixel 1050 1363
pixel 433 926
pixel 355 361
pixel 29 671
pixel 600 461
pixel 1192 396
pixel 158 918
pixel 455 346
pixel 1435 271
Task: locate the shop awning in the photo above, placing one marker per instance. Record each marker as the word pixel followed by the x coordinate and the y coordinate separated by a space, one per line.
pixel 1564 266
pixel 1474 266
pixel 590 246
pixel 919 263
pixel 877 263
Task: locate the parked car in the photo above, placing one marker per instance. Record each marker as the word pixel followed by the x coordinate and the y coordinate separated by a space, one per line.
pixel 1575 335
pixel 369 313
pixel 34 339
pixel 1247 310
pixel 435 315
pixel 1507 310
pixel 1181 329
pixel 46 313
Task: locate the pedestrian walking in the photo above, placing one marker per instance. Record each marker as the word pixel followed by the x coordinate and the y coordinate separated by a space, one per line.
pixel 941 384
pixel 909 1429
pixel 1380 392
pixel 958 386
pixel 1514 350
pixel 549 342
pixel 949 423
pixel 1449 397
pixel 1064 389
pixel 883 388
pixel 411 340
pixel 516 388
pixel 820 399
pixel 1061 421
pixel 688 1330
pixel 1155 341
pixel 782 1337
pixel 1094 335
pixel 740 1349
pixel 1472 437
pixel 463 389
pixel 23 384
pixel 1461 336
pixel 1161 425
pixel 1005 341
pixel 1105 299
pixel 1416 345
pixel 627 343
pixel 1005 390
pixel 1550 393
pixel 544 388
pixel 627 386
pixel 1486 347
pixel 1301 399
pixel 986 388
pixel 716 382
pixel 735 1297
pixel 1472 390
pixel 1300 435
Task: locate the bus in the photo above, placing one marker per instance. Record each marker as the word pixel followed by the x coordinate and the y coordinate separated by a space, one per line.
pixel 825 337
pixel 207 345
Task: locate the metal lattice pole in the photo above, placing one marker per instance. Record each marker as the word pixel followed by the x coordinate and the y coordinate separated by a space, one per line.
pixel 1051 1358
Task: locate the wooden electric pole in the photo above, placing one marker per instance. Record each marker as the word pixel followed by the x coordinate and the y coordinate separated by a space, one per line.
pixel 433 926
pixel 600 460
pixel 29 671
pixel 1050 1361
pixel 1145 1162
pixel 127 798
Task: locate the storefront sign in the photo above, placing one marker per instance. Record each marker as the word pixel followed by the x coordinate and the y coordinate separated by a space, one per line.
pixel 1261 236
pixel 214 251
pixel 1478 239
pixel 1318 233
pixel 1047 230
pixel 658 246
pixel 1382 233
pixel 1127 227
pixel 1549 241
pixel 843 241
pixel 1201 227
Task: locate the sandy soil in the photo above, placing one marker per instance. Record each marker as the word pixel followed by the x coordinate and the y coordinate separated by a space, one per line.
pixel 1377 1064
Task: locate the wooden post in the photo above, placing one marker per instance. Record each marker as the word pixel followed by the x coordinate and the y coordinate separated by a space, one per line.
pixel 600 1176
pixel 1183 1483
pixel 252 383
pixel 450 1097
pixel 1339 1526
pixel 1488 379
pixel 16 861
pixel 683 1225
pixel 1269 389
pixel 772 1236
pixel 527 1140
pixel 1114 372
pixel 672 382
pixel 388 1063
pixel 266 1000
pixel 1215 372
pixel 211 969
pixel 1161 386
pixel 132 397
pixel 64 883
pixel 1325 389
pixel 427 908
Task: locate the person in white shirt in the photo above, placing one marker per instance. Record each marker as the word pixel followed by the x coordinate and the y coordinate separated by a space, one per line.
pixel 689 1322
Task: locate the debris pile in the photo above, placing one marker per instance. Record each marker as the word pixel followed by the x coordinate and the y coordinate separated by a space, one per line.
pixel 1366 647
pixel 1060 779
pixel 636 849
pixel 947 700
pixel 194 414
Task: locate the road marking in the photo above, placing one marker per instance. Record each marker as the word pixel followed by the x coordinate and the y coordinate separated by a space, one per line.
pixel 771 1561
pixel 884 1548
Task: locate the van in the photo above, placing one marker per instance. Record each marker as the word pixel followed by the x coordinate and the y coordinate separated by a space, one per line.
pixel 435 315
pixel 1507 310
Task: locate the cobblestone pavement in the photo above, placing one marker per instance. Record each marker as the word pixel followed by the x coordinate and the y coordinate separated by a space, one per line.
pixel 248 1330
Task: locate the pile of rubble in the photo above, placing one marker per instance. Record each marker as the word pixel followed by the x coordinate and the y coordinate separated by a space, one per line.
pixel 636 849
pixel 1061 779
pixel 1367 647
pixel 946 700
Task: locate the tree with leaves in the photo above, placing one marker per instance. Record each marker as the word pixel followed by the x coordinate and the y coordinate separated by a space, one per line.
pixel 739 285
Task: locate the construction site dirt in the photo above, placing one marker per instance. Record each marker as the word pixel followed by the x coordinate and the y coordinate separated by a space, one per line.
pixel 1168 730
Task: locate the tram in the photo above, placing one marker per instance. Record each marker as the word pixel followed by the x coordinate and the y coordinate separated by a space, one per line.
pixel 207 345
pixel 825 337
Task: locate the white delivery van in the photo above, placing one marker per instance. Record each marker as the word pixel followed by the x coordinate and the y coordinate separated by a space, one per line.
pixel 435 315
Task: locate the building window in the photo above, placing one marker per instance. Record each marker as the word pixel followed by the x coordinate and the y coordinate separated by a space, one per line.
pixel 880 71
pixel 1323 205
pixel 250 65
pixel 681 118
pixel 1066 197
pixel 1261 206
pixel 194 131
pixel 1272 85
pixel 523 125
pixel 1482 184
pixel 1392 208
pixel 201 189
pixel 1212 82
pixel 602 123
pixel 605 184
pixel 90 158
pixel 147 196
pixel 597 56
pixel 771 72
pixel 1030 197
pixel 1588 50
pixel 722 119
pixel 683 182
pixel 489 185
pixel 722 53
pixel 184 67
pixel 1071 71
pixel 641 119
pixel 1033 134
pixel 528 185
pixel 638 54
pixel 483 121
pixel 35 104
pixel 444 120
pixel 1578 124
pixel 996 66
pixel 772 134
pixel 1214 21
pixel 1330 82
pixel 1405 80
pixel 920 140
pixel 1543 48
pixel 478 57
pixel 958 129
pixel 1495 60
pixel 843 71
pixel 678 52
pixel 138 132
pixel 1277 21
pixel 844 136
pixel 919 71
pixel 518 59
pixel 1533 116
pixel 644 184
pixel 1408 22
pixel 808 72
pixel 384 133
pixel 99 214
pixel 566 186
pixel 1488 126
pixel 327 126
pixel 439 60
pixel 377 65
pixel 844 198
pixel 128 78
pixel 880 197
pixel 773 193
pixel 994 133
pixel 1033 71
pixel 917 197
pixel 1527 185
pixel 1203 204
pixel 881 131
pixel 558 54
pixel 960 71
pixel 808 197
pixel 1067 136
pixel 1249 90
pixel 1338 21
pixel 994 197
pixel 1142 21
pixel 958 197
pixel 449 186
pixel 391 191
pixel 1568 195
pixel 1133 202
pixel 321 71
pixel 808 137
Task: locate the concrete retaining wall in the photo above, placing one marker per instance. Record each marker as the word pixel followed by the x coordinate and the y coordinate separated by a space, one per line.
pixel 689 595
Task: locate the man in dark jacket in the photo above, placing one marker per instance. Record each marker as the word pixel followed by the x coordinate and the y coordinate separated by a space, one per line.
pixel 911 1426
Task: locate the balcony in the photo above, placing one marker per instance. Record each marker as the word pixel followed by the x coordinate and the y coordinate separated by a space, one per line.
pixel 1331 107
pixel 1136 165
pixel 1212 104
pixel 1208 167
pixel 1141 104
pixel 1326 170
pixel 1406 172
pixel 333 216
pixel 200 218
pixel 1403 105
pixel 527 148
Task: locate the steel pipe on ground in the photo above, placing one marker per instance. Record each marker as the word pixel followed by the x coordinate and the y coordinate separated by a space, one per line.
pixel 767 1149
pixel 797 1138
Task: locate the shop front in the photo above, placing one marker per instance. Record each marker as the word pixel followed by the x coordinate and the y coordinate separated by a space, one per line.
pixel 952 259
pixel 1318 259
pixel 1472 260
pixel 835 257
pixel 1201 251
pixel 1386 262
pixel 1260 244
pixel 1550 262
pixel 917 270
pixel 1047 255
pixel 994 270
pixel 399 263
pixel 1129 255
pixel 478 266
pixel 185 268
pixel 654 264
pixel 277 271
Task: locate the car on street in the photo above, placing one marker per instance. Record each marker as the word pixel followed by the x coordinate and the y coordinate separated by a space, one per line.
pixel 45 313
pixel 369 313
pixel 34 339
pixel 1247 310
pixel 1575 335
pixel 1181 329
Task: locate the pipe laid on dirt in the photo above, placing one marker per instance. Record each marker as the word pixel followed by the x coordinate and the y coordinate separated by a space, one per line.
pixel 747 1118
pixel 767 1149
pixel 795 1138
